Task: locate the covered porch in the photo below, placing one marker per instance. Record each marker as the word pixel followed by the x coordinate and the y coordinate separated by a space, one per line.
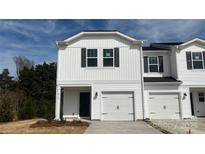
pixel 73 102
pixel 197 99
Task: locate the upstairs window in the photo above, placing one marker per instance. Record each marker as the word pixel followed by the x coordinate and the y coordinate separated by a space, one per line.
pixel 197 60
pixel 108 58
pixel 201 97
pixel 153 64
pixel 92 58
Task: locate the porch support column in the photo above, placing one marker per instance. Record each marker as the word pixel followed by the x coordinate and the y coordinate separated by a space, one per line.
pixel 58 102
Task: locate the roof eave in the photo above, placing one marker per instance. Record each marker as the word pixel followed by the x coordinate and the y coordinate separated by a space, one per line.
pixel 191 41
pixel 66 41
pixel 170 83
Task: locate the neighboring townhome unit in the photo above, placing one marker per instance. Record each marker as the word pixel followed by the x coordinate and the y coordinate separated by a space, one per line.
pixel 178 90
pixel 101 76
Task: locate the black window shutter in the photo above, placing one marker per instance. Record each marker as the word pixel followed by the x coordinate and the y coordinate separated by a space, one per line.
pixel 83 57
pixel 161 67
pixel 188 60
pixel 145 64
pixel 204 58
pixel 117 57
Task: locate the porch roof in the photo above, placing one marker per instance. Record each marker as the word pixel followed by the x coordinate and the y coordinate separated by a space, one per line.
pixel 160 79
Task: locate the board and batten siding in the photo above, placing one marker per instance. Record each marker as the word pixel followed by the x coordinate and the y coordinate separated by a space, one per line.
pixel 69 62
pixel 166 63
pixel 71 100
pixel 190 77
pixel 173 64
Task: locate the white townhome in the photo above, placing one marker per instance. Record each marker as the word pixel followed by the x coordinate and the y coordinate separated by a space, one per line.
pixel 107 75
pixel 100 73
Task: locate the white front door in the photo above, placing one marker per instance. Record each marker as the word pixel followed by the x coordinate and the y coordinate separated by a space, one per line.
pixel 198 98
pixel 164 106
pixel 117 106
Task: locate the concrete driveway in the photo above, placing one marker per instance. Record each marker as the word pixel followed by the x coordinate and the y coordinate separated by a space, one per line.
pixel 188 126
pixel 115 127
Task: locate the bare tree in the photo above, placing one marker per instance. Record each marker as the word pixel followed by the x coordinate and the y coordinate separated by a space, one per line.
pixel 21 63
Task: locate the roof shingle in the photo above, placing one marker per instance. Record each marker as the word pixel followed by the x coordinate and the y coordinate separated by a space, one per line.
pixel 160 79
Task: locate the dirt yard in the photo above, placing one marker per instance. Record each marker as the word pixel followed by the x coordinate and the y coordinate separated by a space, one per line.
pixel 23 127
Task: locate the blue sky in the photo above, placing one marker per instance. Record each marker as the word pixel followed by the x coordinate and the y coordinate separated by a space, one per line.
pixel 35 39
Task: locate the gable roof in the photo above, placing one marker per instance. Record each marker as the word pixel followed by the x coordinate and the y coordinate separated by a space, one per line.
pixel 191 41
pixel 168 45
pixel 99 32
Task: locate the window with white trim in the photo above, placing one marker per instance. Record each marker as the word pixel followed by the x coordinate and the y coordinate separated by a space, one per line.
pixel 108 58
pixel 153 64
pixel 92 59
pixel 197 60
pixel 201 97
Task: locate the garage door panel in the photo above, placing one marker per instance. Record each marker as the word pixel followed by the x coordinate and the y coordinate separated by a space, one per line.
pixel 117 106
pixel 164 106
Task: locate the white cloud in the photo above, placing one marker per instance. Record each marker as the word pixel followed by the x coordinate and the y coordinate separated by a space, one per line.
pixel 28 28
pixel 158 30
pixel 6 59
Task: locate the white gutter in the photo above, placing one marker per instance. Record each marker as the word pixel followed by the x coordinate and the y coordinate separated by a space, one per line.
pixel 161 83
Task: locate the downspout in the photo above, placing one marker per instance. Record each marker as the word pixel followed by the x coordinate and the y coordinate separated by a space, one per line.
pixel 142 80
pixel 175 50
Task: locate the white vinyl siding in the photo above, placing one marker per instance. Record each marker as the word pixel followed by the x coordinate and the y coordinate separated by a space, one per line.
pixel 166 63
pixel 193 76
pixel 125 78
pixel 71 101
pixel 69 62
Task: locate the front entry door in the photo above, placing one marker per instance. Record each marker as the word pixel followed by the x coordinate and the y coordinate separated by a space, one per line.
pixel 84 104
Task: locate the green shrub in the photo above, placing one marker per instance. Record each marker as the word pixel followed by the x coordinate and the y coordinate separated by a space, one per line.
pixel 46 109
pixel 6 108
pixel 27 110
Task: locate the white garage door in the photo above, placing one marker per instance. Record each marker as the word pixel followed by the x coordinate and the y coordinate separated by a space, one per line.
pixel 117 106
pixel 164 106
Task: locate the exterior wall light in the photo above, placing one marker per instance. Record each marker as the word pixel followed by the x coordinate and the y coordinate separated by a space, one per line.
pixel 96 94
pixel 184 96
